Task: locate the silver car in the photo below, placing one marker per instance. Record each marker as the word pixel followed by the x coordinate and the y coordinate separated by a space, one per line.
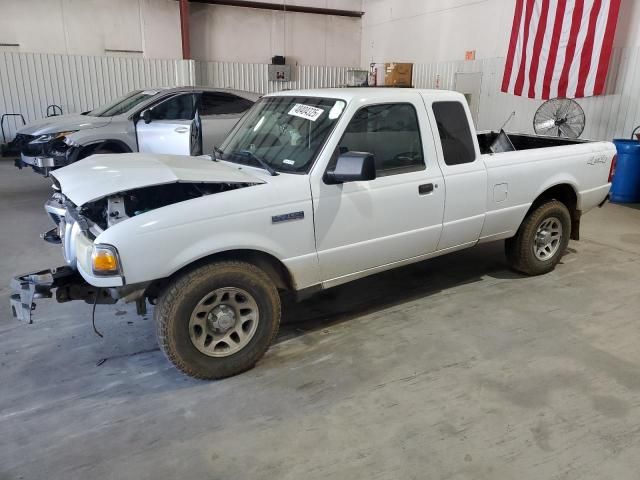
pixel 182 121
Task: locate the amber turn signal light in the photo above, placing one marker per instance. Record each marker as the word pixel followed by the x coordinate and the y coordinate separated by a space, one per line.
pixel 104 260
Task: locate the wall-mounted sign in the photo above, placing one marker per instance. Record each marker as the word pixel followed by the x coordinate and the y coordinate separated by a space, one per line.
pixel 280 73
pixel 470 55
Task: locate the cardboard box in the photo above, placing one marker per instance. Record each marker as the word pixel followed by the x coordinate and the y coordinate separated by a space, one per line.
pixel 398 74
pixel 390 74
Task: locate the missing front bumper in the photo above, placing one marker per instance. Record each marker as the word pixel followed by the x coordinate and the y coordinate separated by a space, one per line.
pixel 67 282
pixel 25 288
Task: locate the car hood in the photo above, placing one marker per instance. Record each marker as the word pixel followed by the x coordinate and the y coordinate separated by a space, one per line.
pixel 63 123
pixel 98 176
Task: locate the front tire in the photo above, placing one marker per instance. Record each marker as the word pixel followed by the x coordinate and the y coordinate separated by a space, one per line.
pixel 541 240
pixel 218 320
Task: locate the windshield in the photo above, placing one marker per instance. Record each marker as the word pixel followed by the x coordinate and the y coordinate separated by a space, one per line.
pixel 123 104
pixel 286 133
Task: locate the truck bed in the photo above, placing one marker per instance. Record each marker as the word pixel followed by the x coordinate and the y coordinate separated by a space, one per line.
pixel 495 142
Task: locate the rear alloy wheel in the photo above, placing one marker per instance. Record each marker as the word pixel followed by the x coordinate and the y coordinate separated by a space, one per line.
pixel 541 240
pixel 218 320
pixel 548 239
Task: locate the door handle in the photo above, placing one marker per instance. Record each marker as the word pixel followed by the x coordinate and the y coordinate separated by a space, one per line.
pixel 181 129
pixel 425 188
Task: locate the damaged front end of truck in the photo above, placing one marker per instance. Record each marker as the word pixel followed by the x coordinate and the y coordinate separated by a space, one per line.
pixel 72 230
pixel 81 209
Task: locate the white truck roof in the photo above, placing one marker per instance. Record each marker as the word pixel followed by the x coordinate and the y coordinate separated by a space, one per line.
pixel 370 93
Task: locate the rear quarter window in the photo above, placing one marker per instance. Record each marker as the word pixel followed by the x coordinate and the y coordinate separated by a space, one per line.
pixel 221 103
pixel 454 131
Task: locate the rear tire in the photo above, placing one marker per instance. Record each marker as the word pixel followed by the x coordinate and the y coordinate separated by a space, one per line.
pixel 541 240
pixel 218 320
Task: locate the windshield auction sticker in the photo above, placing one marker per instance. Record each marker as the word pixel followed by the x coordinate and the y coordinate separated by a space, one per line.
pixel 306 111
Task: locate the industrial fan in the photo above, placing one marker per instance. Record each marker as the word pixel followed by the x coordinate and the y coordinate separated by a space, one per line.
pixel 559 117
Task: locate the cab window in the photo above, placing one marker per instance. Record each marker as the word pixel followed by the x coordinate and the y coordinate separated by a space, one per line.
pixel 391 133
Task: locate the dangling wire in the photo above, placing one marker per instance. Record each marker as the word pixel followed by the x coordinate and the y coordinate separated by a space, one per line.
pixel 93 313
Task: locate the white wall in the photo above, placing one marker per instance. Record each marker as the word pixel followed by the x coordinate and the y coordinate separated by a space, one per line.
pixel 433 31
pixel 628 28
pixel 234 34
pixel 425 31
pixel 89 27
pixel 435 34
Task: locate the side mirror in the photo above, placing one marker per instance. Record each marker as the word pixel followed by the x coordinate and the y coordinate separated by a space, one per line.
pixel 146 115
pixel 352 167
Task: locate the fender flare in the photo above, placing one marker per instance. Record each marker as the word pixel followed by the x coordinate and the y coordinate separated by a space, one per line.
pixel 98 143
pixel 74 153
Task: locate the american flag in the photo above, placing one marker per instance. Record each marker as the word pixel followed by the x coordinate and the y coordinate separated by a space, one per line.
pixel 560 48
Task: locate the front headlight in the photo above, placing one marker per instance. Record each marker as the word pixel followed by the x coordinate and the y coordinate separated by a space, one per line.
pixel 105 260
pixel 47 137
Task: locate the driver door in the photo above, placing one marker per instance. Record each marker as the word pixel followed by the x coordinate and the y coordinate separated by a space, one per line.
pixel 366 225
pixel 174 127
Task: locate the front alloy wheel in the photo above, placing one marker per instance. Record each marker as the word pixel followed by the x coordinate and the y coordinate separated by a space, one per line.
pixel 224 322
pixel 219 319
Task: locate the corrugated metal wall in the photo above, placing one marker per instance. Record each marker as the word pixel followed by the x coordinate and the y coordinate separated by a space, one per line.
pixel 254 76
pixel 29 82
pixel 609 116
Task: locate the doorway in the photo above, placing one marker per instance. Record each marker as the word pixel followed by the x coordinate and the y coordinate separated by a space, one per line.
pixel 469 84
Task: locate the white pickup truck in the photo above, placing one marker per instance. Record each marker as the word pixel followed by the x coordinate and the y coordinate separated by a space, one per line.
pixel 311 189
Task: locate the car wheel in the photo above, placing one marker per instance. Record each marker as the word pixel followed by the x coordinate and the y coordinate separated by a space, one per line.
pixel 541 240
pixel 218 320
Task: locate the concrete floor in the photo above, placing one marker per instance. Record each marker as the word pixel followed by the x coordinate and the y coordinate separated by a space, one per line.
pixel 454 368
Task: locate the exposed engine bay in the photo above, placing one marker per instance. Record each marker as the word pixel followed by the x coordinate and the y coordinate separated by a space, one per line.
pixel 111 210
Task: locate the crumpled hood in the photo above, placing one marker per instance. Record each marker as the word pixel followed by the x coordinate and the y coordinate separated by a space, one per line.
pixel 98 176
pixel 63 123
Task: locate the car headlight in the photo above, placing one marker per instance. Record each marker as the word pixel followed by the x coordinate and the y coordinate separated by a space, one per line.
pixel 47 137
pixel 105 260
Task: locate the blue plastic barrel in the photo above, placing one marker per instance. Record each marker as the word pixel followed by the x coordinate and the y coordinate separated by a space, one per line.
pixel 626 181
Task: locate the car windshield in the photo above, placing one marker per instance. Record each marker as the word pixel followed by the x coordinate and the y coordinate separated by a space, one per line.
pixel 124 104
pixel 285 133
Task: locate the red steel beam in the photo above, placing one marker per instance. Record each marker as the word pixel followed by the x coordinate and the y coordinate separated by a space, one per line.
pixel 184 29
